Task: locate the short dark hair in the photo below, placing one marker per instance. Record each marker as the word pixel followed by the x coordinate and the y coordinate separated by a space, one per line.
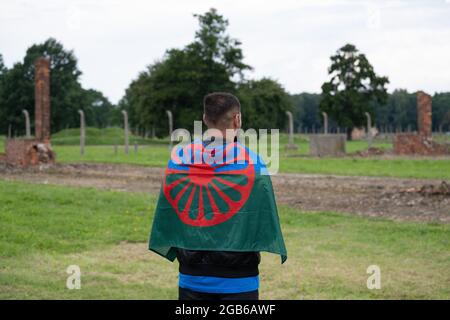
pixel 217 107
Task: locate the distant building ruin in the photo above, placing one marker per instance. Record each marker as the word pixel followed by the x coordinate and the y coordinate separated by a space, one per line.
pixel 321 145
pixel 37 150
pixel 420 143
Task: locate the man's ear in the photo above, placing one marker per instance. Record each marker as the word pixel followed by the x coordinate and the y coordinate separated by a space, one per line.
pixel 204 120
pixel 238 121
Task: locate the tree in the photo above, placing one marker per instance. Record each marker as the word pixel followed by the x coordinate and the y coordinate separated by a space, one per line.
pixel 14 95
pixel 403 111
pixel 180 80
pixel 264 104
pixel 66 93
pixel 306 110
pixel 65 90
pixel 441 111
pixel 98 109
pixel 353 88
pixel 3 71
pixel 3 68
pixel 214 45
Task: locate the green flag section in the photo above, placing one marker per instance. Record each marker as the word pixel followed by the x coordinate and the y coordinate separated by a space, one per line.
pixel 216 198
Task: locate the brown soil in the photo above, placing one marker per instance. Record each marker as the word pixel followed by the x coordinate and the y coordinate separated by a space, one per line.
pixel 393 198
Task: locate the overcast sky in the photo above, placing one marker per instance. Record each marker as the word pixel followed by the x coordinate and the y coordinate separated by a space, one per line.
pixel 288 40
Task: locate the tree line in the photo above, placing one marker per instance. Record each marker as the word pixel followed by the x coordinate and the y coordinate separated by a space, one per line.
pixel 66 93
pixel 213 61
pixel 399 113
pixel 179 81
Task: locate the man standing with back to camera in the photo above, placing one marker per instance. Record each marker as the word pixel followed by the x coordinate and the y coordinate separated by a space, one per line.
pixel 228 214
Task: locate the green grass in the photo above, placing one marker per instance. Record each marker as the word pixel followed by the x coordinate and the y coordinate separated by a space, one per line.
pixel 44 229
pixel 95 136
pixel 302 141
pixel 157 156
pixel 154 155
pixel 400 168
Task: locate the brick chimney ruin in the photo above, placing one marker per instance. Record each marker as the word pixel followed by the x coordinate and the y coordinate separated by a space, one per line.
pixel 37 150
pixel 420 143
pixel 42 99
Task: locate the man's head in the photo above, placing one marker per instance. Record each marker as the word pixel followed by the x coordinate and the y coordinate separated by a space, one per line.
pixel 222 111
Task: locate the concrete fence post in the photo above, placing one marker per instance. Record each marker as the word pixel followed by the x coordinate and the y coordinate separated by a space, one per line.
pixel 82 131
pixel 125 129
pixel 27 123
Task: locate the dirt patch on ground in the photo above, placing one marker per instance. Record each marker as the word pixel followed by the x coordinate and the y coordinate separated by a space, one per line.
pixel 394 198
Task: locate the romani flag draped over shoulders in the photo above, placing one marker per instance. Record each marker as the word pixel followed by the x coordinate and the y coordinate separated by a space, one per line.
pixel 216 197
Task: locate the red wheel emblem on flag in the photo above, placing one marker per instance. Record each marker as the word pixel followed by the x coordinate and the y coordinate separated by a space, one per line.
pixel 208 194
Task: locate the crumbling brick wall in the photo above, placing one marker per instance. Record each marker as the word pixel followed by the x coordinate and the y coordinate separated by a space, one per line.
pixel 25 152
pixel 420 143
pixel 35 151
pixel 411 143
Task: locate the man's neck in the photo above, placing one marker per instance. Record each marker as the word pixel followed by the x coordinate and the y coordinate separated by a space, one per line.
pixel 229 136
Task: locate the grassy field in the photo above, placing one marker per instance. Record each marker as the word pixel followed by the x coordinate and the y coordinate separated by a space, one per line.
pixel 95 136
pixel 400 168
pixel 157 156
pixel 105 233
pixel 156 153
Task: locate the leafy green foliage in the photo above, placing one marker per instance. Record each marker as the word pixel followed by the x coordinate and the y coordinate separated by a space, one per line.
pixel 353 88
pixel 180 80
pixel 400 111
pixel 441 111
pixel 212 62
pixel 183 77
pixel 66 94
pixel 3 71
pixel 2 65
pixel 306 111
pixel 265 103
